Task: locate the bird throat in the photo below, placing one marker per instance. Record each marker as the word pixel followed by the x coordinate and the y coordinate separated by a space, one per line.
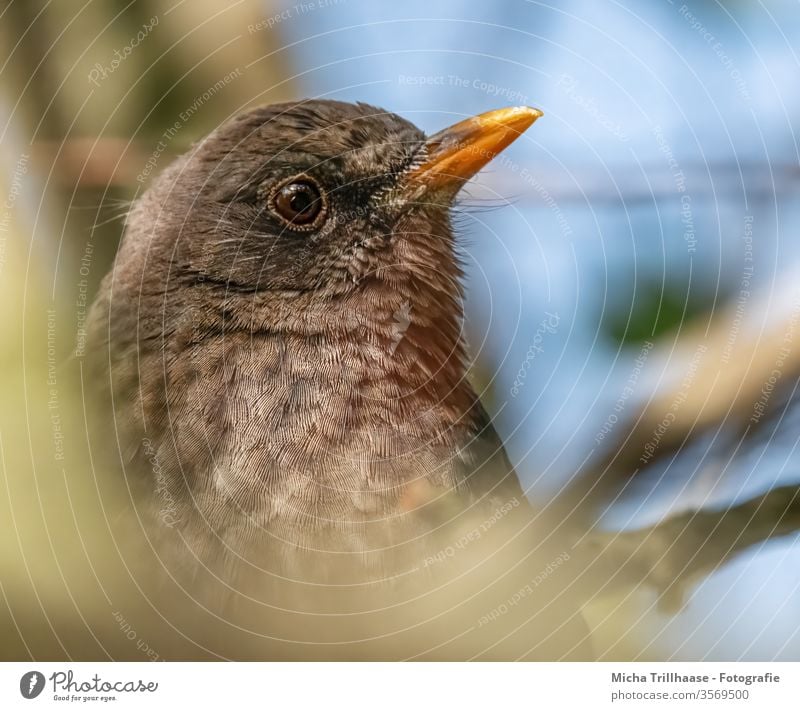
pixel 327 418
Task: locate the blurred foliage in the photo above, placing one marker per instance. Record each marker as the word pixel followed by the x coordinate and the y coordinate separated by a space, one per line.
pixel 657 308
pixel 71 151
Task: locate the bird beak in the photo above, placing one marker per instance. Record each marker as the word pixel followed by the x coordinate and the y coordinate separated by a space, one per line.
pixel 454 155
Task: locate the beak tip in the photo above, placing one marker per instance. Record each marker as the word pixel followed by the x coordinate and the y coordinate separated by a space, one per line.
pixel 520 117
pixel 535 113
pixel 530 111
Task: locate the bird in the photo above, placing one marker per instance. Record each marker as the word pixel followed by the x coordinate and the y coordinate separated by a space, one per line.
pixel 278 354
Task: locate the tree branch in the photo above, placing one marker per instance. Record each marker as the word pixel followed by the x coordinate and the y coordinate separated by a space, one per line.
pixel 674 554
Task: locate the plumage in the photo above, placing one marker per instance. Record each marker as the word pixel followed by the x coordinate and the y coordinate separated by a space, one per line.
pixel 303 384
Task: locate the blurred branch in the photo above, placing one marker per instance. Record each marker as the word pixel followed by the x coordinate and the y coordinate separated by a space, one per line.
pixel 92 162
pixel 672 555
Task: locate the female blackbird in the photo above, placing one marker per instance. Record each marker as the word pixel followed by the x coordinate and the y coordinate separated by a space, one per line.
pixel 281 343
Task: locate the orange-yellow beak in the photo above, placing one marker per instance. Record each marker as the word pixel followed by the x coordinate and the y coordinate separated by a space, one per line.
pixel 455 154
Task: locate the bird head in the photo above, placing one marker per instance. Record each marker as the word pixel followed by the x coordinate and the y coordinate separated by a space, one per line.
pixel 296 206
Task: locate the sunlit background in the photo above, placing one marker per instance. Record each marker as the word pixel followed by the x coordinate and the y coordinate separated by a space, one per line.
pixel 650 218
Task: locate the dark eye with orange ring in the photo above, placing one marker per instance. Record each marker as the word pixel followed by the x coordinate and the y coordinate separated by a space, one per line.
pixel 299 203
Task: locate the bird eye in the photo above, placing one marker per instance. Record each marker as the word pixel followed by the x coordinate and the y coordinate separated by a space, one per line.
pixel 299 202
